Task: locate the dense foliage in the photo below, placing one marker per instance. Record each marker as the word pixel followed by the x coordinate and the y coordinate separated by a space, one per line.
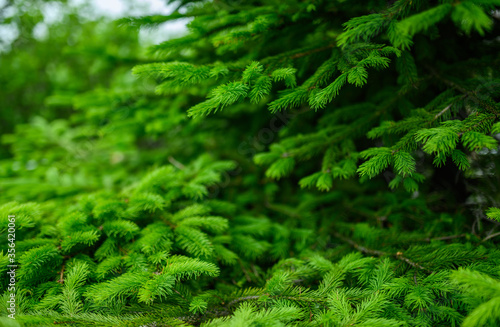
pixel 303 163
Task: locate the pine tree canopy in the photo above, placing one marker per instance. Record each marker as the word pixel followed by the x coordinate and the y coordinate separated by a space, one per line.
pixel 281 163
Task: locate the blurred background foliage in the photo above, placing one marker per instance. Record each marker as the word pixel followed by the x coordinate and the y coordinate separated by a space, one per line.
pixel 53 53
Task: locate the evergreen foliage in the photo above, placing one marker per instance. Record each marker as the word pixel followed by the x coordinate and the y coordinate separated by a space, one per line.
pixel 301 163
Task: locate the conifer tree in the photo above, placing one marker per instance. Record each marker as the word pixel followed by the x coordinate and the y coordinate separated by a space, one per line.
pixel 284 163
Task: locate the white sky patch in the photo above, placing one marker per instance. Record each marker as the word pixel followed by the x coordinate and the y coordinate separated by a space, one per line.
pixel 123 8
pixel 41 31
pixel 165 31
pixel 53 12
pixel 8 33
pixel 112 8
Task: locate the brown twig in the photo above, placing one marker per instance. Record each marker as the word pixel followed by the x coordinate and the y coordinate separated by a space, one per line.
pixel 307 53
pixel 61 278
pixel 444 238
pixel 247 276
pixel 463 90
pixel 244 298
pixel 293 298
pixel 176 163
pixel 442 112
pixel 397 255
pixel 182 296
pixel 490 237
